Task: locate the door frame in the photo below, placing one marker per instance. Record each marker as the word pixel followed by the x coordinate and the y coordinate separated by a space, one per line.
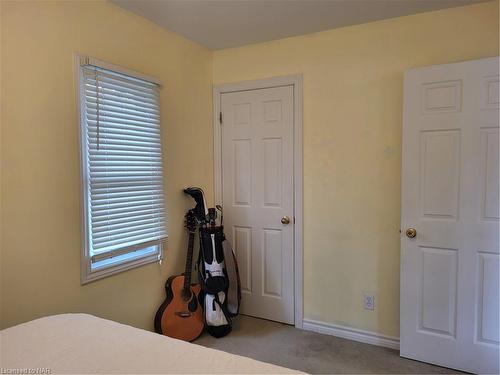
pixel 296 82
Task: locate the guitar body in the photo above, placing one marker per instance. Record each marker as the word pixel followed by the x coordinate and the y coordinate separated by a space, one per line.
pixel 181 315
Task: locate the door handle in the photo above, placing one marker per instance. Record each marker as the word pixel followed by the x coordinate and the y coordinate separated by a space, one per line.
pixel 411 233
pixel 285 220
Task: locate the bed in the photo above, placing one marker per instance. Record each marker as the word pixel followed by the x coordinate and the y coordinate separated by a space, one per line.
pixel 85 344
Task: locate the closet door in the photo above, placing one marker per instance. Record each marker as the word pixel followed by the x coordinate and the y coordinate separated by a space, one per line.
pixel 257 194
pixel 450 216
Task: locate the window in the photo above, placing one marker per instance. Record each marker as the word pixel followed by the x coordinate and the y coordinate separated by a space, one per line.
pixel 122 169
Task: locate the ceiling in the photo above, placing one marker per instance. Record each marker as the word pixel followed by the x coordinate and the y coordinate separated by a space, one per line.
pixel 218 24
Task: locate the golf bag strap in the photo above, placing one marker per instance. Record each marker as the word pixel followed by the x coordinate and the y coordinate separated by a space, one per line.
pixel 223 308
pixel 234 289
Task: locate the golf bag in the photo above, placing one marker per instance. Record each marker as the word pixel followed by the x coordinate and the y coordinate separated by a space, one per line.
pixel 217 268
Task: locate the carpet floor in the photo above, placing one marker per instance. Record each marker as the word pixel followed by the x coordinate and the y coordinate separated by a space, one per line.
pixel 312 352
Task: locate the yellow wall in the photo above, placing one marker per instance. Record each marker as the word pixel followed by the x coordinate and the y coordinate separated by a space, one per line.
pixel 40 187
pixel 352 145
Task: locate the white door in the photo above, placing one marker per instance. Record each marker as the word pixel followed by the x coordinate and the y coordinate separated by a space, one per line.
pixel 257 194
pixel 450 269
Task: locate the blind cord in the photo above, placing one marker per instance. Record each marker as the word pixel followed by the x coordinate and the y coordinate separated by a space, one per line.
pixel 98 108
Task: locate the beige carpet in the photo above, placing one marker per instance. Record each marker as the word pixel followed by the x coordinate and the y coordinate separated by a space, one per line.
pixel 312 352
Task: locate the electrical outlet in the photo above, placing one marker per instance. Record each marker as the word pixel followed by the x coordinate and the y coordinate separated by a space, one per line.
pixel 369 301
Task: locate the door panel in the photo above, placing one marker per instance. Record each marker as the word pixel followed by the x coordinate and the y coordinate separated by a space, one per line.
pixel 242 181
pixel 487 309
pixel 489 175
pixel 450 185
pixel 242 238
pixel 272 248
pixel 439 288
pixel 440 154
pixel 272 171
pixel 257 191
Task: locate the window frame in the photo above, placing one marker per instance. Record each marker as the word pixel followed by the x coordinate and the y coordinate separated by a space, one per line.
pixel 141 256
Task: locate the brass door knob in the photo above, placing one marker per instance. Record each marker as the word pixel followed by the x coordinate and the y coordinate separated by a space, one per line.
pixel 411 233
pixel 285 220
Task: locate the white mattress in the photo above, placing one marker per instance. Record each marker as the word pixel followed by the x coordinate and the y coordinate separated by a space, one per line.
pixel 80 343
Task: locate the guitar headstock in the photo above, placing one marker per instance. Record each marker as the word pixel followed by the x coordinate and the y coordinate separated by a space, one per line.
pixel 190 222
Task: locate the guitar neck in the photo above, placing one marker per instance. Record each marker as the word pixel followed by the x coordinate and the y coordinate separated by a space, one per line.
pixel 189 262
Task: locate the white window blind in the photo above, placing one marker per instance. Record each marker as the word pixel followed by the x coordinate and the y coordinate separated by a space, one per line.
pixel 123 169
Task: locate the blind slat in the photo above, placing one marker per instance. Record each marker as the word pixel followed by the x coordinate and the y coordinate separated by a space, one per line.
pixel 126 214
pixel 122 108
pixel 110 88
pixel 105 134
pixel 120 112
pixel 122 81
pixel 112 129
pixel 121 101
pixel 101 208
pixel 110 156
pixel 109 149
pixel 105 94
pixel 116 230
pixel 124 196
pixel 136 198
pixel 120 85
pixel 125 189
pixel 128 129
pixel 123 184
pixel 145 173
pixel 121 220
pixel 118 163
pixel 94 142
pixel 118 118
pixel 127 240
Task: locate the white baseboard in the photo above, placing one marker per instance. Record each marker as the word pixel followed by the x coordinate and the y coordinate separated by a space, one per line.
pixel 366 337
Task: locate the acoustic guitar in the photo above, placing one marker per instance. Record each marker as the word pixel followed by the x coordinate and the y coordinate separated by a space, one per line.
pixel 181 315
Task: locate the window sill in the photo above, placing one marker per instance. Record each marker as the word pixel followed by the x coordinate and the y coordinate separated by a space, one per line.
pixel 111 266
